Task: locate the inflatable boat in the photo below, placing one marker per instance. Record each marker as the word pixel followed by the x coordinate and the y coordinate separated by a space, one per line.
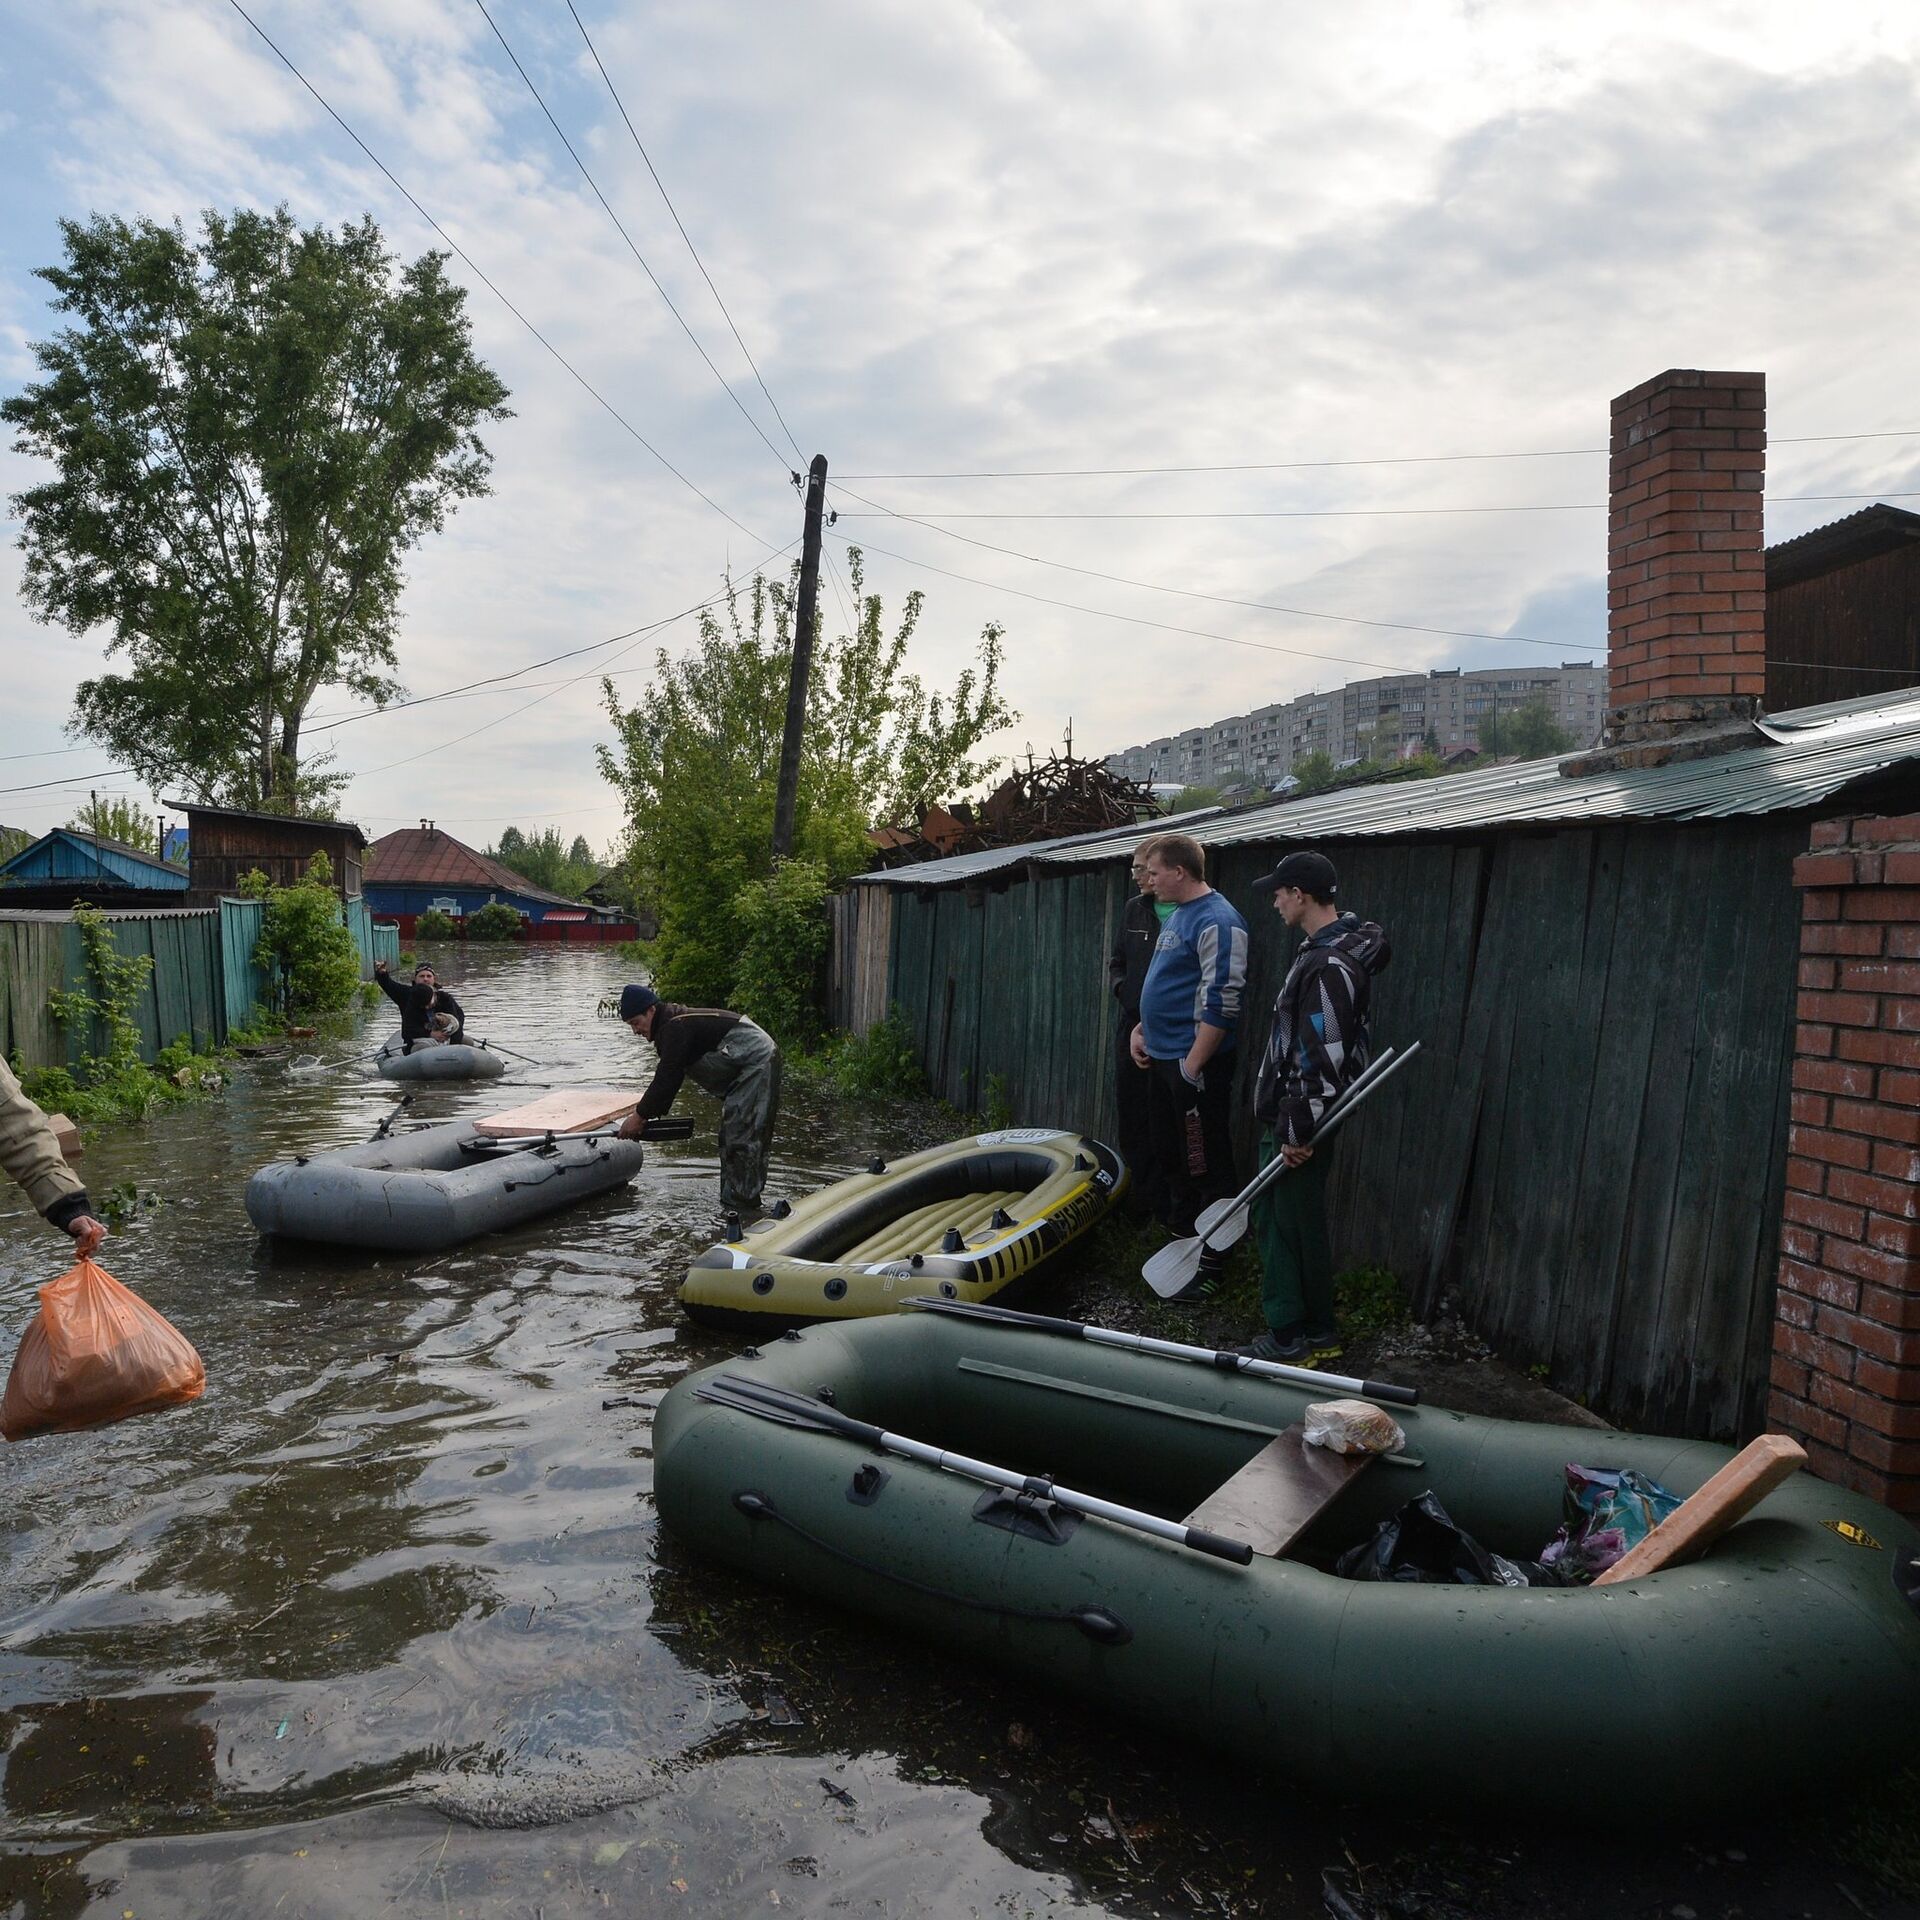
pixel 419 1192
pixel 962 1221
pixel 1788 1656
pixel 457 1060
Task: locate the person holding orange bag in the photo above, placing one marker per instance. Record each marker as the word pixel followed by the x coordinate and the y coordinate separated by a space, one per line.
pixel 31 1154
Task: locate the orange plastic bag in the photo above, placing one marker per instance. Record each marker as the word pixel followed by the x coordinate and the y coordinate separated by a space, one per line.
pixel 96 1352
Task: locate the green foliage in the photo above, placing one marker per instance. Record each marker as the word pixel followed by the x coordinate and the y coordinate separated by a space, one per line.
pixel 1368 1300
pixel 101 1011
pixel 997 1108
pixel 547 861
pixel 435 925
pixel 880 1064
pixel 1190 798
pixel 118 818
pixel 1530 731
pixel 250 430
pixel 14 840
pixel 784 934
pixel 495 921
pixel 254 885
pixel 697 759
pixel 305 947
pixel 1313 772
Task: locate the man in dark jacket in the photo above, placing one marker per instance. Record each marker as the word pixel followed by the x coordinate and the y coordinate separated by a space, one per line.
pixel 419 1004
pixel 726 1054
pixel 1140 922
pixel 1318 1045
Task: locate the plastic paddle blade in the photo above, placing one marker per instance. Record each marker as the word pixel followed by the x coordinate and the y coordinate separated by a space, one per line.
pixel 1172 1270
pixel 668 1130
pixel 1223 1223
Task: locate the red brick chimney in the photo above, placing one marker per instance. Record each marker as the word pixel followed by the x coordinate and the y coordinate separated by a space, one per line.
pixel 1686 575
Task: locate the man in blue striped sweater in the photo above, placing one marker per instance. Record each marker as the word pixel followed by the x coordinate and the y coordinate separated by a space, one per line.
pixel 1189 1020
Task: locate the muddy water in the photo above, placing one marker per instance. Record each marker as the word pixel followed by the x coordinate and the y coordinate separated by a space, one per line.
pixel 384 1622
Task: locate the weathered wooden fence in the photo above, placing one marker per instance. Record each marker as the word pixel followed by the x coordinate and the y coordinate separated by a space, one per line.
pixel 1591 1148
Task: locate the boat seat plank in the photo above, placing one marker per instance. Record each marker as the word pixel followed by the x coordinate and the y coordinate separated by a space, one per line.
pixel 1706 1513
pixel 921 1230
pixel 1279 1493
pixel 567 1110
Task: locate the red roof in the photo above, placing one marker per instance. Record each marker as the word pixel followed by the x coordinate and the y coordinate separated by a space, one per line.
pixel 426 857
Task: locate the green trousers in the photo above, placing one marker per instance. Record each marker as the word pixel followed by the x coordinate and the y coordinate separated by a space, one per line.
pixel 1296 1259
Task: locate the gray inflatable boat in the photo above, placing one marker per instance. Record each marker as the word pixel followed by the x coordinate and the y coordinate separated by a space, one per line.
pixel 422 1191
pixel 462 1060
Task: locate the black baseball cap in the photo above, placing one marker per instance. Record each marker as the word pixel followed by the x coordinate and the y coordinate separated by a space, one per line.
pixel 1311 872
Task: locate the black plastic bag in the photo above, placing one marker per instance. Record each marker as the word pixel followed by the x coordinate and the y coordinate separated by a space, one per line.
pixel 1421 1543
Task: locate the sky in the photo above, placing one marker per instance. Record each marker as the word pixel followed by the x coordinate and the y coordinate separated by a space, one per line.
pixel 1013 240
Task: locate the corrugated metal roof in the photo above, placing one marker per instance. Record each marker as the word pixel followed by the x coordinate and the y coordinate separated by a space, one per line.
pixel 961 867
pixel 107 913
pixel 1804 757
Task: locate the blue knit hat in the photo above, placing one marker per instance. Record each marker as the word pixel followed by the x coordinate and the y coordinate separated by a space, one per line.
pixel 634 1001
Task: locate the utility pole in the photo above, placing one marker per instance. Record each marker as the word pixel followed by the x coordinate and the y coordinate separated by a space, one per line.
pixel 787 793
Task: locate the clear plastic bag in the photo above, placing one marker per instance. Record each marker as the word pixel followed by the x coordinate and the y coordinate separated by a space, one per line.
pixel 1352 1426
pixel 95 1353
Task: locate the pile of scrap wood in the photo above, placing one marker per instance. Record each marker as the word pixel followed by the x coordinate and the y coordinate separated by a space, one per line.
pixel 1046 800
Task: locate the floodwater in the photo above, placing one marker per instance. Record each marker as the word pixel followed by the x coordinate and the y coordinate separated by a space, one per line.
pixel 384 1623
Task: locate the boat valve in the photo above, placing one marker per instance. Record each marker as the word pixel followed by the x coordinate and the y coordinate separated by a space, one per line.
pixel 736 1230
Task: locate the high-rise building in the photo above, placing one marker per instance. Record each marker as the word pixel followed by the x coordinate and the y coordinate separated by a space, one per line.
pixel 1387 718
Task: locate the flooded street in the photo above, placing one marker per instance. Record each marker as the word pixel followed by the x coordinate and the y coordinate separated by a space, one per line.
pixel 384 1622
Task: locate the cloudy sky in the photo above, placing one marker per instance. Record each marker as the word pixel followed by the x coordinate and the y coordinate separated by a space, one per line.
pixel 1014 239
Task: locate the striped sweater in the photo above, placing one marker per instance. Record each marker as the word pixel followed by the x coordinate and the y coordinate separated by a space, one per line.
pixel 1319 1042
pixel 1198 973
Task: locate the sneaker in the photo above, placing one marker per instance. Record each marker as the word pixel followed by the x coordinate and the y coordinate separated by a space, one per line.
pixel 1208 1279
pixel 1282 1353
pixel 1321 1346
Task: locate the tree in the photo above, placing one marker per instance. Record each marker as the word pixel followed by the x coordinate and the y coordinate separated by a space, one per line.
pixel 1529 732
pixel 545 860
pixel 1313 772
pixel 304 943
pixel 251 429
pixel 1189 799
pixel 696 763
pixel 120 819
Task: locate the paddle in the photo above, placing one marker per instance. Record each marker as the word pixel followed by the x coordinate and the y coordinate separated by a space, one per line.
pixel 494 1046
pixel 662 1129
pixel 796 1410
pixel 310 1064
pixel 1227 1362
pixel 1172 1270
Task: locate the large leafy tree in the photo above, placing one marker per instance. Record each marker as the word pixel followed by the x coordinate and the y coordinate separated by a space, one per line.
pixel 547 860
pixel 251 429
pixel 697 756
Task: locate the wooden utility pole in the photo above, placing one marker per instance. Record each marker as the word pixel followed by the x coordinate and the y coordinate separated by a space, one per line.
pixel 787 793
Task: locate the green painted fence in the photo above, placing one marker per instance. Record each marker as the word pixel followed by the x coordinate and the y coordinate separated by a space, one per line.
pixel 1589 1152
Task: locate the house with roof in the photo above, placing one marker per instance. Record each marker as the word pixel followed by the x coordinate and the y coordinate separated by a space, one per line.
pixel 417 868
pixel 72 864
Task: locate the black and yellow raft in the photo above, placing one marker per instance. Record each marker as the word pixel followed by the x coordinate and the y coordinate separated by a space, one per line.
pixel 960 1221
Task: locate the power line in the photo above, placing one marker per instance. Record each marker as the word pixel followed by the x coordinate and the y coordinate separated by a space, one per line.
pixel 628 238
pixel 45 753
pixel 1293 466
pixel 585 384
pixel 684 235
pixel 1190 593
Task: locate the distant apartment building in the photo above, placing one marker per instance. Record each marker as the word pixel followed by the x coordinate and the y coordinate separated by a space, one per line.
pixel 1369 719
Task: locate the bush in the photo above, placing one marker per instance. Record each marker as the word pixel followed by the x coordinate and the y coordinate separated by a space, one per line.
pixel 305 946
pixel 495 921
pixel 784 934
pixel 1369 1301
pixel 434 925
pixel 880 1064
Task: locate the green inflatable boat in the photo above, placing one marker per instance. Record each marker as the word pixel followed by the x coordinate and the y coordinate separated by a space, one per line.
pixel 1788 1656
pixel 960 1221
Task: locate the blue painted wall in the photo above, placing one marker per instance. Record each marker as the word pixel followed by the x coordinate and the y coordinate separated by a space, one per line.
pixel 61 855
pixel 416 900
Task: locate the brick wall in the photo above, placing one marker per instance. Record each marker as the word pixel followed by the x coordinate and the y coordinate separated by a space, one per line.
pixel 1846 1337
pixel 1686 576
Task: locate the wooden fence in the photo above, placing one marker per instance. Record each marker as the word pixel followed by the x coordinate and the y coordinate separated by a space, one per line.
pixel 1589 1152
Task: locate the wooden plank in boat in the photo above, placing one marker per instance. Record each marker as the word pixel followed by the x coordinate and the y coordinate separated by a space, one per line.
pixel 566 1110
pixel 1705 1514
pixel 1279 1493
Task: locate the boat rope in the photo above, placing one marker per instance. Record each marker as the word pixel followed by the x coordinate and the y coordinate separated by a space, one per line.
pixel 1097 1623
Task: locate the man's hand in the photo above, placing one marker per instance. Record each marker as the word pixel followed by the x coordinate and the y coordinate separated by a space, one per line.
pixel 632 1127
pixel 1137 1046
pixel 1296 1156
pixel 379 966
pixel 87 1233
pixel 1195 1074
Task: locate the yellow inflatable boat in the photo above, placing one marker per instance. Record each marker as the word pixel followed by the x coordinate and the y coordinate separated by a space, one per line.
pixel 961 1221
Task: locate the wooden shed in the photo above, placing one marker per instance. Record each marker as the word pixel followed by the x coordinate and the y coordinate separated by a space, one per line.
pixel 223 843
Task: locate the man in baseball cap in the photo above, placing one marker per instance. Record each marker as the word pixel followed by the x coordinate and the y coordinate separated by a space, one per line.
pixel 1318 1045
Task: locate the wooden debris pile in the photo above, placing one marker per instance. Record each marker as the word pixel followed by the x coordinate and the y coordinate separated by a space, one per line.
pixel 1046 800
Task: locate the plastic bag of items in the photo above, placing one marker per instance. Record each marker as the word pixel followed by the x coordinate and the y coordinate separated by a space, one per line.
pixel 1607 1511
pixel 1420 1543
pixel 96 1352
pixel 1352 1426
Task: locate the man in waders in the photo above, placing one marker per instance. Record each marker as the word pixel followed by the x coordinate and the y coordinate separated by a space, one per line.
pixel 729 1056
pixel 1318 1045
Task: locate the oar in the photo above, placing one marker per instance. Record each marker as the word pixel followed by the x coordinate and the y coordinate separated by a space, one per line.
pixel 1227 1362
pixel 664 1129
pixel 494 1046
pixel 796 1410
pixel 1172 1270
pixel 310 1064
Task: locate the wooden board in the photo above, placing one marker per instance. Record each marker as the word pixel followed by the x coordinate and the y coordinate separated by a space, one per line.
pixel 1704 1515
pixel 569 1110
pixel 1279 1493
pixel 67 1134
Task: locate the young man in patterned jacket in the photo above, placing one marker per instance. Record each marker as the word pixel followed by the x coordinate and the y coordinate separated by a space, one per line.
pixel 1318 1045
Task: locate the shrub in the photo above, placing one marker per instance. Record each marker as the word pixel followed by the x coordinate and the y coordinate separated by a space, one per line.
pixel 1369 1301
pixel 433 925
pixel 784 934
pixel 305 945
pixel 880 1064
pixel 495 921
